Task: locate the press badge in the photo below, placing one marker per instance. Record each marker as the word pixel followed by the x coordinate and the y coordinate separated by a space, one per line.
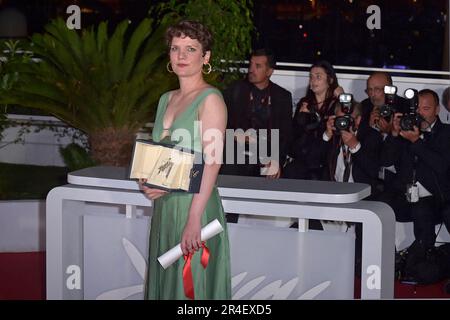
pixel 412 193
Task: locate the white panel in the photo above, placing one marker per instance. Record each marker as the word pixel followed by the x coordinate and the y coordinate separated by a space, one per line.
pixel 22 226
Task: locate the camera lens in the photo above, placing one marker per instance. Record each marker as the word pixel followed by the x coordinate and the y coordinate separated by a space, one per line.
pixel 407 122
pixel 342 123
pixel 386 112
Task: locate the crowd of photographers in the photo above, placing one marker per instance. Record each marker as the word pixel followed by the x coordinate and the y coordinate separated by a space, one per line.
pixel 398 145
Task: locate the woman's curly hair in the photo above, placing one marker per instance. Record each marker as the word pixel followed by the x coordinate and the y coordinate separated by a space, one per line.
pixel 193 30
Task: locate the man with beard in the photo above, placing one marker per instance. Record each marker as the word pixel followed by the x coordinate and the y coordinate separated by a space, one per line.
pixel 258 103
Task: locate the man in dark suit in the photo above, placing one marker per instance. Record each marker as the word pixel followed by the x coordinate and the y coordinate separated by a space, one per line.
pixel 258 103
pixel 421 189
pixel 352 154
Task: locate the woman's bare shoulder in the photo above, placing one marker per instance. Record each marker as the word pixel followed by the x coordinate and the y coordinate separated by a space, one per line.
pixel 213 97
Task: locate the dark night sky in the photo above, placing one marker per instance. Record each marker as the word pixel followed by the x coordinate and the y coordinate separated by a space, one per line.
pixel 411 35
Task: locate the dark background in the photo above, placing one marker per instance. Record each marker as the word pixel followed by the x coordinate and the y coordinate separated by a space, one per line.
pixel 412 34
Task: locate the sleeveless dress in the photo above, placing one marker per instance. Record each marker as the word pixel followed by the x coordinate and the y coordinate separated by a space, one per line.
pixel 169 217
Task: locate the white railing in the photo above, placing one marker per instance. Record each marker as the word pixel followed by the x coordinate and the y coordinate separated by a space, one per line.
pixel 369 70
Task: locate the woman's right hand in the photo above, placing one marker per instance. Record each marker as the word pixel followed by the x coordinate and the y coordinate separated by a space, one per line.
pixel 151 192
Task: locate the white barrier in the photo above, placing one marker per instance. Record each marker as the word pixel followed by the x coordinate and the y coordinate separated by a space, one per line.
pixel 22 226
pixel 77 240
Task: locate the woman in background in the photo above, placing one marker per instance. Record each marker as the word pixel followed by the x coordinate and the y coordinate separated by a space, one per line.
pixel 309 123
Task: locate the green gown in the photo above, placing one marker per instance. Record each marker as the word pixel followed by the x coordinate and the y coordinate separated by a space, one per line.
pixel 170 214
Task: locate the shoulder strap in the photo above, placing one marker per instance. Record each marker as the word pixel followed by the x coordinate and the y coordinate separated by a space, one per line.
pixel 204 94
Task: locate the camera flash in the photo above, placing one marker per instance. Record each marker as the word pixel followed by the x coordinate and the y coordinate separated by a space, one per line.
pixel 410 93
pixel 390 89
pixel 345 98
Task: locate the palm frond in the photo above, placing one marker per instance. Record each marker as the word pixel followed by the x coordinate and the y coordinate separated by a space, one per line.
pixel 136 41
pixel 93 81
pixel 115 51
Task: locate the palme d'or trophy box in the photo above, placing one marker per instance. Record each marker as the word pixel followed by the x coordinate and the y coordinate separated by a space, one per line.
pixel 166 166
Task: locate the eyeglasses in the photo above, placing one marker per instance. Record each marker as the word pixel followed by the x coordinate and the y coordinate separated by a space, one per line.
pixel 375 90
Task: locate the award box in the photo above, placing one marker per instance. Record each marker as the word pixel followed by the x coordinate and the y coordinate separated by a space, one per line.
pixel 166 166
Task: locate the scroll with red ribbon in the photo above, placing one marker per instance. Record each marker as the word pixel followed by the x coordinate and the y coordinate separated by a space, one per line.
pixel 207 232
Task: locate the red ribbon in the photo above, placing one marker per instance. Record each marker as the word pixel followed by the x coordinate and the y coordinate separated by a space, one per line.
pixel 188 282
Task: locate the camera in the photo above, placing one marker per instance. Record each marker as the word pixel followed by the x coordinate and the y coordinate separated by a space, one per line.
pixel 411 118
pixel 309 120
pixel 389 109
pixel 346 121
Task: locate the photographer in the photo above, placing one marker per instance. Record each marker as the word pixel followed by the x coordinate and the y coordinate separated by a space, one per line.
pixel 381 120
pixel 375 90
pixel 419 148
pixel 352 154
pixel 307 160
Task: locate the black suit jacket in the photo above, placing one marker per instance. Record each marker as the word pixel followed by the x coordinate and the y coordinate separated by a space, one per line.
pixel 365 162
pixel 432 165
pixel 237 100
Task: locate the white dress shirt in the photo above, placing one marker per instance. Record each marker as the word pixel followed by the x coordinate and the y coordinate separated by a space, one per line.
pixel 340 164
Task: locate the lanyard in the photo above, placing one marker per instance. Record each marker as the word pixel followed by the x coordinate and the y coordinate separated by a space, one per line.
pixel 414 179
pixel 347 162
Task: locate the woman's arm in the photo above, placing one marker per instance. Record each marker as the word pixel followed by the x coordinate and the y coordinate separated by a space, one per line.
pixel 213 118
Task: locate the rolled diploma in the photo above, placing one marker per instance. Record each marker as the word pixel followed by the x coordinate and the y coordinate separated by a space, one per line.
pixel 207 232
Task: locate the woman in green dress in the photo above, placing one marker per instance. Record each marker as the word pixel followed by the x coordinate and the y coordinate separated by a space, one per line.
pixel 198 109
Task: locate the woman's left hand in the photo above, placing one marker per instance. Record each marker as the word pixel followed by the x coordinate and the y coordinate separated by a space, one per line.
pixel 151 193
pixel 338 91
pixel 304 107
pixel 190 240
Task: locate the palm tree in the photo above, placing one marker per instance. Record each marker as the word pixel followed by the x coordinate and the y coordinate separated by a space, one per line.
pixel 107 87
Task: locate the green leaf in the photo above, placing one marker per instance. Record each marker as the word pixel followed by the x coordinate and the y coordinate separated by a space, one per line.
pixel 136 41
pixel 115 51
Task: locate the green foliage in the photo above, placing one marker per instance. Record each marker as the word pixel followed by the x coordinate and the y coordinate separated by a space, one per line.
pixel 13 55
pixel 231 24
pixel 92 80
pixel 76 157
pixel 19 181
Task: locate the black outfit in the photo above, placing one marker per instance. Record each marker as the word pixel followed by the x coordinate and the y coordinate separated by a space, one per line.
pixel 252 108
pixel 428 159
pixel 308 159
pixel 364 162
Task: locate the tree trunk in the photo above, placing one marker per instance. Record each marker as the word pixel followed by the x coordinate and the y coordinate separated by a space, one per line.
pixel 112 146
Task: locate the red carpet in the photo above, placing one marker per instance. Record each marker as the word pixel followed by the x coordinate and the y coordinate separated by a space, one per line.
pixel 409 291
pixel 22 277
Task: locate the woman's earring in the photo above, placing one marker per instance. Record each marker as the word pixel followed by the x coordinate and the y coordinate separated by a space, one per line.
pixel 169 67
pixel 208 65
